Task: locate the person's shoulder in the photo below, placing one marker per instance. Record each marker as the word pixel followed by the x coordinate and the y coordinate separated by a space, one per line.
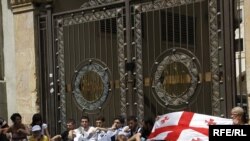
pixel 45 138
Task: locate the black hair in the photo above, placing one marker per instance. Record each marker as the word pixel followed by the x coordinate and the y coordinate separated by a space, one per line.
pixel 14 116
pixel 71 120
pixel 37 117
pixel 134 118
pixel 120 118
pixel 85 117
pixel 100 118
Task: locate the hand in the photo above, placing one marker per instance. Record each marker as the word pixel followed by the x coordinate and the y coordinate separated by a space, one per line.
pixel 114 126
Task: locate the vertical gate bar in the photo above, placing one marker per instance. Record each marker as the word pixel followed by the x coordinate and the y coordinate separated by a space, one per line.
pixel 214 54
pixel 166 16
pixel 173 27
pixel 194 27
pixel 95 52
pixel 179 10
pixel 187 25
pixel 229 61
pixel 202 57
pixel 112 68
pixel 105 40
pixel 89 53
pixel 78 42
pixel 121 60
pixel 61 76
pixel 147 45
pixel 83 41
pixel 154 34
pixel 139 64
pixel 52 96
pixel 130 79
pixel 67 49
pixel 160 29
pixel 73 48
pixel 100 34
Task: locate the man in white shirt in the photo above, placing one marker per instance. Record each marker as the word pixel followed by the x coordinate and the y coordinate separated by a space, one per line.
pixel 85 132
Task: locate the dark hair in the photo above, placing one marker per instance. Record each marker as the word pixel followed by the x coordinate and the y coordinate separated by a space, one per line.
pixel 71 120
pixel 134 118
pixel 120 118
pixel 36 118
pixel 146 130
pixel 14 116
pixel 101 118
pixel 85 117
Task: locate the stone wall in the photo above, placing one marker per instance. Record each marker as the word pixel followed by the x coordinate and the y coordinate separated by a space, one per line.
pixel 20 59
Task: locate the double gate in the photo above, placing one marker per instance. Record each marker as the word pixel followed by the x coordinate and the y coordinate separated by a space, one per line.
pixel 143 58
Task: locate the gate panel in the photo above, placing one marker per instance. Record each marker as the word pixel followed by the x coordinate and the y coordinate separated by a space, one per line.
pixel 175 51
pixel 87 48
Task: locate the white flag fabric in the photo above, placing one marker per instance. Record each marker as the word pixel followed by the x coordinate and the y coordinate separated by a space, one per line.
pixel 185 126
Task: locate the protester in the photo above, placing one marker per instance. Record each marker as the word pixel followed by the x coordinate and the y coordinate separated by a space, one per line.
pixel 85 132
pixel 71 125
pixel 18 130
pixel 133 126
pixel 116 129
pixel 37 134
pixel 238 116
pixel 3 129
pixel 37 120
pixel 100 129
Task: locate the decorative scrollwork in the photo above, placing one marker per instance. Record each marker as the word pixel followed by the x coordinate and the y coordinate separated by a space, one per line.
pixel 190 64
pixel 85 71
pixel 93 3
pixel 161 4
pixel 214 54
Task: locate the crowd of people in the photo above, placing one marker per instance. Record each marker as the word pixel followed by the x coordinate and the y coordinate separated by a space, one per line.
pixel 121 130
pixel 38 130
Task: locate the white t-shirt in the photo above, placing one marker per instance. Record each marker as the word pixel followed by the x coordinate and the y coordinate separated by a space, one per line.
pixel 85 135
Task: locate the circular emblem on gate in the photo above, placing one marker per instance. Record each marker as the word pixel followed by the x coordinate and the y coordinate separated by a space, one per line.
pixel 91 84
pixel 176 76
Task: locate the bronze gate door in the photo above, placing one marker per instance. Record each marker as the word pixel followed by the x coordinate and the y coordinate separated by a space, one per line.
pixel 144 58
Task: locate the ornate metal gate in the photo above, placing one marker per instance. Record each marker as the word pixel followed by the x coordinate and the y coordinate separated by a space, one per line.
pixel 145 58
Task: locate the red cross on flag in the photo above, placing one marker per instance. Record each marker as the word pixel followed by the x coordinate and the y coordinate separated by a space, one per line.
pixel 185 126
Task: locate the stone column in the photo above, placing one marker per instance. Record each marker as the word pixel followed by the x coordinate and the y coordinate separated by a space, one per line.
pixel 25 59
pixel 247 45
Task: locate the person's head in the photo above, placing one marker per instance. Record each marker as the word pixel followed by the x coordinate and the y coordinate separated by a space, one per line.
pixel 3 123
pixel 99 122
pixel 238 116
pixel 132 122
pixel 36 131
pixel 85 121
pixel 148 124
pixel 16 118
pixel 71 124
pixel 118 122
pixel 37 119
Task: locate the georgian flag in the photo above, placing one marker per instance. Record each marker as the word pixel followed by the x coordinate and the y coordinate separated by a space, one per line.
pixel 184 126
